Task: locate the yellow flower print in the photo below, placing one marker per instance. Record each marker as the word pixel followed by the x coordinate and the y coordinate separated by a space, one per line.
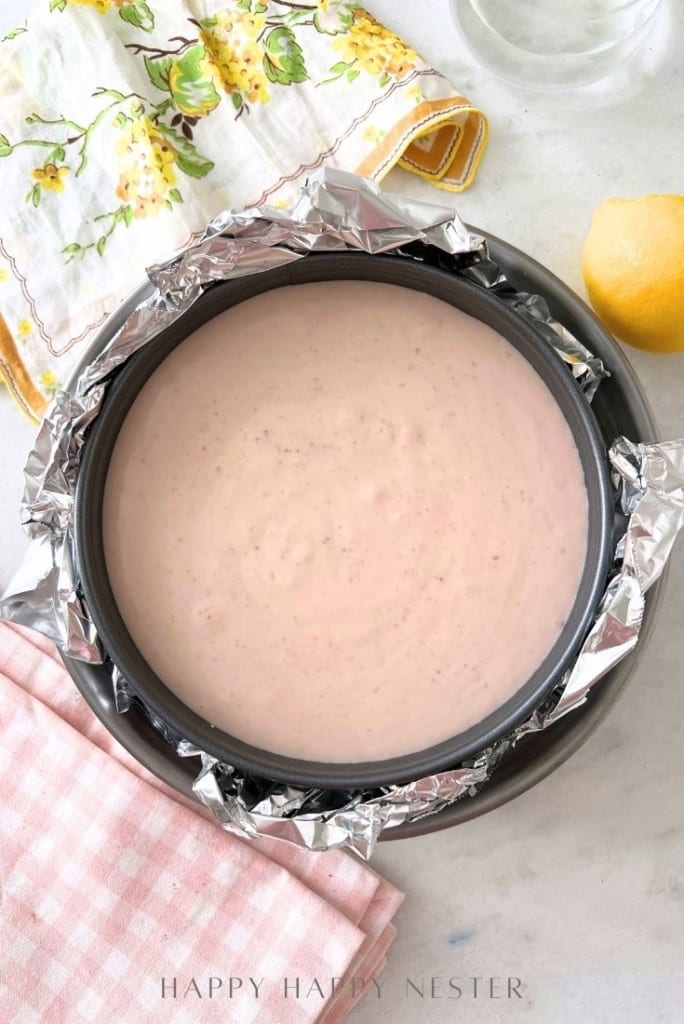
pixel 147 162
pixel 50 177
pixel 24 328
pixel 373 134
pixel 235 54
pixel 99 5
pixel 49 382
pixel 369 46
pixel 252 24
pixel 3 275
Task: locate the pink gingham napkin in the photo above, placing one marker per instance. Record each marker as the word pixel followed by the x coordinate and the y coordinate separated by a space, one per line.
pixel 110 883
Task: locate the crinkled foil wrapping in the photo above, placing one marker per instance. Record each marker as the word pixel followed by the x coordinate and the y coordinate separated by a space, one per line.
pixel 335 211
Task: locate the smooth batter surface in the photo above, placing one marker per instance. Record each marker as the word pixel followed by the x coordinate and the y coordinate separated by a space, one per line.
pixel 345 521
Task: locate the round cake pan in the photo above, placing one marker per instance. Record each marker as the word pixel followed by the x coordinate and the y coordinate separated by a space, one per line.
pixel 620 407
pixel 115 637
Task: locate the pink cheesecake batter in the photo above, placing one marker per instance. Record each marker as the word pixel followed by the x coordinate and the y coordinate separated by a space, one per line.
pixel 345 521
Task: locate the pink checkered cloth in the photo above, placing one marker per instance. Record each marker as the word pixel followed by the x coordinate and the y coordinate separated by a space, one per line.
pixel 121 903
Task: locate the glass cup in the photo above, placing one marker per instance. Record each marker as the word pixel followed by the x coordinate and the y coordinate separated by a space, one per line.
pixel 553 43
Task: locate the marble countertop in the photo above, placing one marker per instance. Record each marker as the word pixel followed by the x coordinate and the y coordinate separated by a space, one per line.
pixel 577 887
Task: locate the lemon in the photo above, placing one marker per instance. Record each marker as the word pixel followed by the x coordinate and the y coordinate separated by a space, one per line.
pixel 633 267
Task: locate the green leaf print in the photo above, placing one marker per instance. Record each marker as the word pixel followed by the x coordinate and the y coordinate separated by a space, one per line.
pixel 13 33
pixel 192 90
pixel 190 64
pixel 158 69
pixel 188 159
pixel 58 5
pixel 138 14
pixel 186 79
pixel 283 58
pixel 56 155
pixel 5 148
pixel 336 19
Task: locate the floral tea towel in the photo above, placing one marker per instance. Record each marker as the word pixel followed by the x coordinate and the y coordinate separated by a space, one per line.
pixel 127 125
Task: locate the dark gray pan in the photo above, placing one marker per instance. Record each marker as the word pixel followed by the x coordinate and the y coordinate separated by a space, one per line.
pixel 112 629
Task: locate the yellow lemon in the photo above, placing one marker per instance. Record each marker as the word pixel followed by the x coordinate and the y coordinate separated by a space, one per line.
pixel 633 267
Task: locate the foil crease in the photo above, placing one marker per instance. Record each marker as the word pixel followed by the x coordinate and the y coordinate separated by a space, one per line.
pixel 335 211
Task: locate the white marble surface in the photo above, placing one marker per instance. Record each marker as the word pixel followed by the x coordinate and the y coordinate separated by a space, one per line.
pixel 577 887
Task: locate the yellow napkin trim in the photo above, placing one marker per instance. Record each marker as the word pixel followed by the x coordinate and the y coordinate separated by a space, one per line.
pixel 14 376
pixel 442 141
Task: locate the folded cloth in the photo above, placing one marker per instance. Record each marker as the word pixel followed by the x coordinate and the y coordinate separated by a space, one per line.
pixel 120 903
pixel 127 125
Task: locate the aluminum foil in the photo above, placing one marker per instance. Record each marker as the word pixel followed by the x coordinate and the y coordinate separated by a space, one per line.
pixel 335 211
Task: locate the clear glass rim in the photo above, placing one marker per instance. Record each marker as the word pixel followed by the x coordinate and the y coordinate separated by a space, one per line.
pixel 539 63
